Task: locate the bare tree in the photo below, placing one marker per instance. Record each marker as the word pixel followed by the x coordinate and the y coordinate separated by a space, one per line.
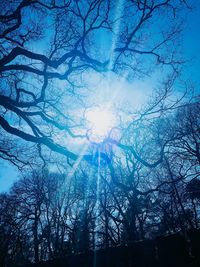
pixel 46 47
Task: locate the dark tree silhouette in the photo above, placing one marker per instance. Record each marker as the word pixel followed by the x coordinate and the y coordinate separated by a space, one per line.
pixel 129 200
pixel 44 42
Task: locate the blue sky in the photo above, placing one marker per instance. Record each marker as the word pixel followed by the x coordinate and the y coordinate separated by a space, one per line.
pixel 191 49
pixel 8 174
pixel 191 44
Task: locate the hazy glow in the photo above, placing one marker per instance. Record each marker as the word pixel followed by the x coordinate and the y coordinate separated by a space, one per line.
pixel 100 121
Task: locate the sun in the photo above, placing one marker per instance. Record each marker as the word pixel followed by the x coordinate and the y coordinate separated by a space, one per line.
pixel 100 121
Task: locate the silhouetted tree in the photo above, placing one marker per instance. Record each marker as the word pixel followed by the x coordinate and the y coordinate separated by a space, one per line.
pixel 46 43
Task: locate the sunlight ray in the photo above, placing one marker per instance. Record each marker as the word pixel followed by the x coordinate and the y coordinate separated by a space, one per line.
pixel 69 176
pixel 78 161
pixel 118 13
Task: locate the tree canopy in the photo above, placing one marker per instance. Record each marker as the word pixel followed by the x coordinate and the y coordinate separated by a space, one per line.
pixel 49 50
pixel 133 178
